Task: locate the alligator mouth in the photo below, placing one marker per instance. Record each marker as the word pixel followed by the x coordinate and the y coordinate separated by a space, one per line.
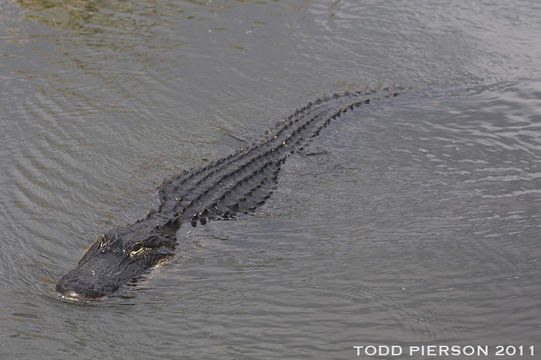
pixel 68 291
pixel 94 279
pixel 72 295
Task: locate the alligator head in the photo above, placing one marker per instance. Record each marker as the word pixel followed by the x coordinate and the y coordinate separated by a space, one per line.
pixel 114 259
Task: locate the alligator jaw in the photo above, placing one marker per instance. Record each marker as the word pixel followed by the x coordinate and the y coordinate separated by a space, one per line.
pixel 71 294
pixel 89 281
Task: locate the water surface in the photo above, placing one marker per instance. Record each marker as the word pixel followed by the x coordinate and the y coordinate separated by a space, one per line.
pixel 414 220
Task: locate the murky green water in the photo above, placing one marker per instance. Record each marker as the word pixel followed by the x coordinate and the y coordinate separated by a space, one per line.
pixel 415 222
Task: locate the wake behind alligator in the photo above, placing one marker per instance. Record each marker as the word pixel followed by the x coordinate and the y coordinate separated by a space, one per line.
pixel 234 184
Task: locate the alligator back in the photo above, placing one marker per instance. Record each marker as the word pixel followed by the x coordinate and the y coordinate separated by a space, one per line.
pixel 240 182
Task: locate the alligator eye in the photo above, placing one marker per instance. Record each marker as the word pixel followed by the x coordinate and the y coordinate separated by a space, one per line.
pixel 136 247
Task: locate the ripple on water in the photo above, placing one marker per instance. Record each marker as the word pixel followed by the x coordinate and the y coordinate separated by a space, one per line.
pixel 475 217
pixel 417 222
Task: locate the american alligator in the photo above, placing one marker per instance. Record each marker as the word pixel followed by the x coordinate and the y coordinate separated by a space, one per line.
pixel 237 183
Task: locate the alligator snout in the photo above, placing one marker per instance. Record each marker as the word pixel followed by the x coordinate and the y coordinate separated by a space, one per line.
pixel 82 284
pixel 74 291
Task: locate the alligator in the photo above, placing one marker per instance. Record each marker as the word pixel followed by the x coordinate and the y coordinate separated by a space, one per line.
pixel 235 184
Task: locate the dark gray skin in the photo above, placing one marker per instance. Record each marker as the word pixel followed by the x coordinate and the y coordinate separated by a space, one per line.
pixel 115 258
pixel 234 184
